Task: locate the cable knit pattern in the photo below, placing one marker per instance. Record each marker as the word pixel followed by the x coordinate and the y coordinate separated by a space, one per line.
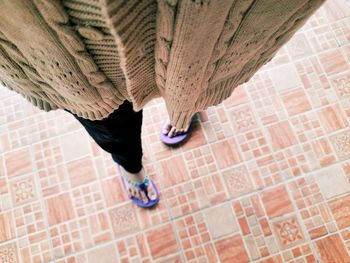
pixel 88 56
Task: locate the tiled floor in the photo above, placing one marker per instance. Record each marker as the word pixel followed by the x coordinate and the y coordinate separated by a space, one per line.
pixel 265 179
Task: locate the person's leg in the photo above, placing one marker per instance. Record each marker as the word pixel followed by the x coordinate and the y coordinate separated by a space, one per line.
pixel 120 135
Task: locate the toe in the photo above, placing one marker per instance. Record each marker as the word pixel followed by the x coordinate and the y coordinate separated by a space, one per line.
pixel 166 127
pixel 172 132
pixel 151 192
pixel 143 197
pixel 137 195
pixel 130 192
pixel 133 192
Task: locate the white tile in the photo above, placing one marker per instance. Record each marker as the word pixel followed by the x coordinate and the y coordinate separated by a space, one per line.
pixel 332 181
pixel 285 77
pixel 220 220
pixel 74 145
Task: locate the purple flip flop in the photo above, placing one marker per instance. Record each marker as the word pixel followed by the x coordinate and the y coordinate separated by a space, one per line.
pixel 141 186
pixel 176 139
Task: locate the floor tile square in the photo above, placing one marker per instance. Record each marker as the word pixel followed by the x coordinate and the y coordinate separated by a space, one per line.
pixel 281 135
pixel 332 181
pixel 331 249
pixel 59 209
pixel 231 250
pixel 341 210
pixel 123 219
pixel 220 221
pixel 226 153
pixel 276 201
pixel 162 241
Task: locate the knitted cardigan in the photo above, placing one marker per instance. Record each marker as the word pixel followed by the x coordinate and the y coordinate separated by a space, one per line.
pixel 88 56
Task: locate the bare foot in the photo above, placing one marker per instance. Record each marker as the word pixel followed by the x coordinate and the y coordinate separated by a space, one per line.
pixel 135 192
pixel 170 130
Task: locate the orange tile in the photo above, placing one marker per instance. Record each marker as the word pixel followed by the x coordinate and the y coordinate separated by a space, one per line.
pixel 318 232
pixel 231 250
pixel 281 135
pixel 173 171
pixel 59 209
pixel 239 96
pixel 81 171
pixel 196 138
pixel 162 241
pixel 296 102
pixel 331 249
pixel 226 153
pixel 332 119
pixel 333 62
pixel 276 201
pixel 6 227
pixel 18 162
pixel 113 191
pixel 341 210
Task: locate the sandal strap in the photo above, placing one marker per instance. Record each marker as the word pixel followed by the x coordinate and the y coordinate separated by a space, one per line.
pixel 140 185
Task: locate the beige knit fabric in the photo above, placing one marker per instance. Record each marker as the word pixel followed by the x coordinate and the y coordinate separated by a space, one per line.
pixel 88 56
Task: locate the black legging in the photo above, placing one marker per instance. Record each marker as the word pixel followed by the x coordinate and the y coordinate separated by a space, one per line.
pixel 120 135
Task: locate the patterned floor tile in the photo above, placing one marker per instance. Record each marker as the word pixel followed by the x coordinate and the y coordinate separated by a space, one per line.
pixel 23 190
pixel 298 46
pixel 340 142
pixel 288 232
pixel 123 220
pixel 237 181
pixel 243 118
pixel 8 253
pixel 264 177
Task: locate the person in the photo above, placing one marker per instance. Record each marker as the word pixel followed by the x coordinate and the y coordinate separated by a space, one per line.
pixel 103 61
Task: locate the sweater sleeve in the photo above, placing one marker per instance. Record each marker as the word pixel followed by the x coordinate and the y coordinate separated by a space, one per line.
pixel 197 27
